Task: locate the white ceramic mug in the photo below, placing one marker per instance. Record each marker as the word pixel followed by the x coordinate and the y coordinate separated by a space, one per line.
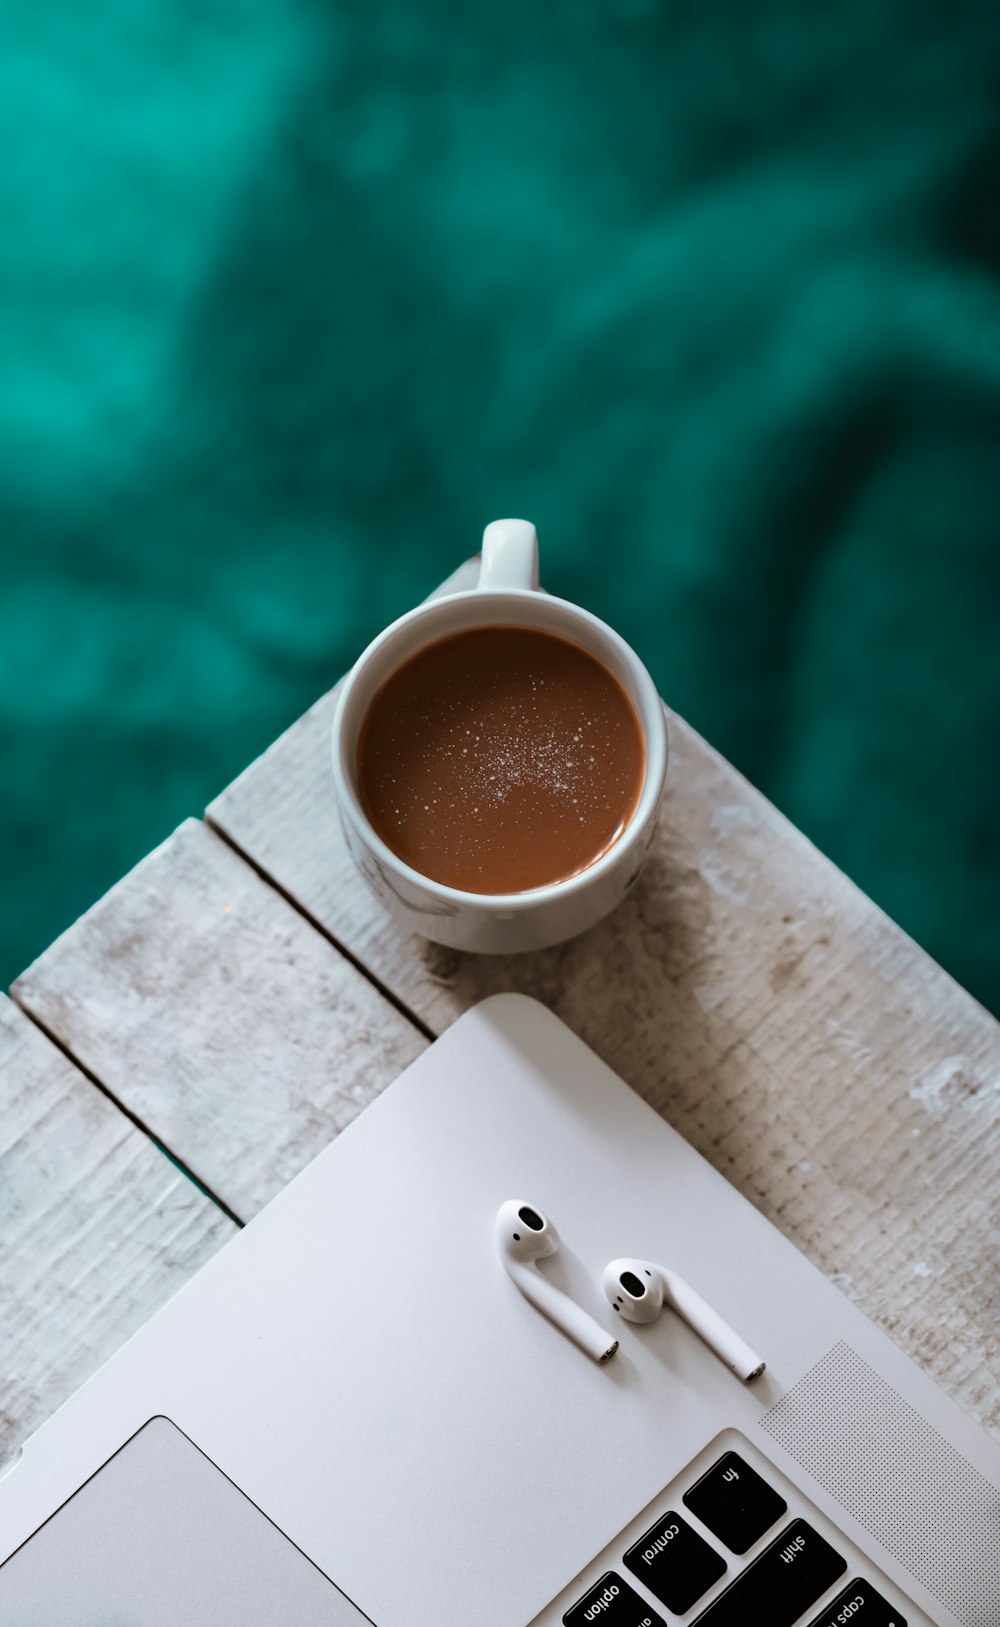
pixel 508 595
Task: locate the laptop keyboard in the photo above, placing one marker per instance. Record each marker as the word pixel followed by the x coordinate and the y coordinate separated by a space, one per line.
pixel 730 1551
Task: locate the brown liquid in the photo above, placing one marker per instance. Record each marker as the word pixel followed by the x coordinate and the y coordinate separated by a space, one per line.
pixel 500 759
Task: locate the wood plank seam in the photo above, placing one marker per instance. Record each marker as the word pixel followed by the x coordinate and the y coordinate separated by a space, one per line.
pixel 386 992
pixel 97 1227
pixel 177 1162
pixel 213 1011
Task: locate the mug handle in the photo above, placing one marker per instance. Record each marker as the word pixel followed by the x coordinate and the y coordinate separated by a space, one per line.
pixel 510 557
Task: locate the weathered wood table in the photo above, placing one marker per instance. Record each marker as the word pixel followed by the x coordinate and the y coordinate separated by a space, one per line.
pixel 190 1043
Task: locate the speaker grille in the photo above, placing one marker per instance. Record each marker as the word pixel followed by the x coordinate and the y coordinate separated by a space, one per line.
pixel 902 1481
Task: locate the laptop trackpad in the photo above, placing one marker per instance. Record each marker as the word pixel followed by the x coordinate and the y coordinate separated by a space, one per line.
pixel 160 1538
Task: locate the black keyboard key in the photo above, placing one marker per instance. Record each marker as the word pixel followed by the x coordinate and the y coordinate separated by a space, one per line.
pixel 790 1575
pixel 675 1563
pixel 859 1606
pixel 614 1604
pixel 735 1503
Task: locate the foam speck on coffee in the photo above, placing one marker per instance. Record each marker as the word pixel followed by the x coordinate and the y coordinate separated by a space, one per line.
pixel 500 759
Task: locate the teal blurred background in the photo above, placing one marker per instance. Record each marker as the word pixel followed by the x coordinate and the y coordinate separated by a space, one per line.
pixel 295 296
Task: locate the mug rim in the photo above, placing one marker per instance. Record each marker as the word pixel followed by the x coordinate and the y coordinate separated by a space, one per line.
pixel 654 740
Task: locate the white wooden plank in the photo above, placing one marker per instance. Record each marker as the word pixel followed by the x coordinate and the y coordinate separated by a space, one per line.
pixel 97 1228
pixel 780 1021
pixel 219 1017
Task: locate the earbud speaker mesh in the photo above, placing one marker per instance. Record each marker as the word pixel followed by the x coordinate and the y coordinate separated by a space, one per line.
pixel 902 1481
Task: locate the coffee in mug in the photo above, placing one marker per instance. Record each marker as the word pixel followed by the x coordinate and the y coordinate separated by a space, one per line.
pixel 500 759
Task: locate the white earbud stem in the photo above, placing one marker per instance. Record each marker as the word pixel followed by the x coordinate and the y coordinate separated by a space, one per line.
pixel 524 1236
pixel 638 1290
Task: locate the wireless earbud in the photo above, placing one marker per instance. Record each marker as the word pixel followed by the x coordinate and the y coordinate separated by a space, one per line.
pixel 639 1290
pixel 524 1236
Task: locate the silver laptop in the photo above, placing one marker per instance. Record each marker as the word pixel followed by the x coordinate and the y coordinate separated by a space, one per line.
pixel 352 1415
